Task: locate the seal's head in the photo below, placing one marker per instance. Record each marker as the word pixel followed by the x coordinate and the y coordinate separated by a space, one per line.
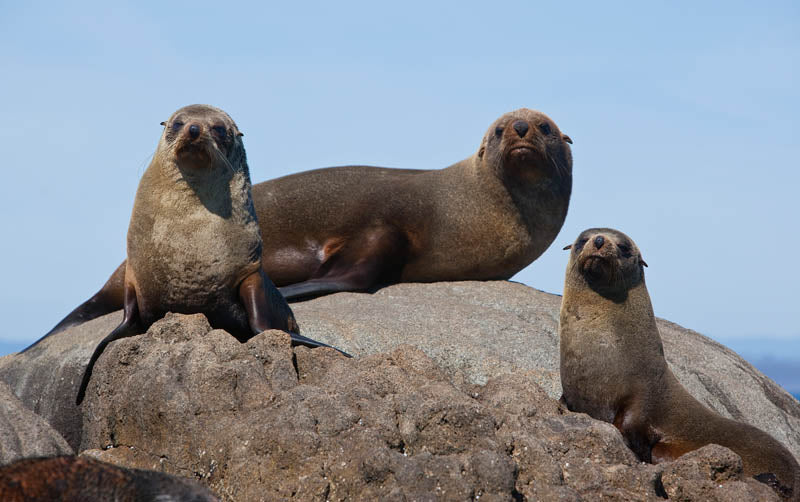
pixel 526 145
pixel 199 136
pixel 607 260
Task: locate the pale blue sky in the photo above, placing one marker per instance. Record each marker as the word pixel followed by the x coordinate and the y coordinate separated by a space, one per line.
pixel 684 117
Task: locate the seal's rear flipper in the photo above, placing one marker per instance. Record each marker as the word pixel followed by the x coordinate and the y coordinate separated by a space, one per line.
pixel 105 301
pixel 316 287
pixel 128 327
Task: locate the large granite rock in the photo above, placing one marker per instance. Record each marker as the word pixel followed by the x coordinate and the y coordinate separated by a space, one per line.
pixel 260 421
pixel 451 395
pixel 24 434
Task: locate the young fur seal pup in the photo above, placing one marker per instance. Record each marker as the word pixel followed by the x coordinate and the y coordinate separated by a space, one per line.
pixel 613 367
pixel 354 227
pixel 84 479
pixel 194 244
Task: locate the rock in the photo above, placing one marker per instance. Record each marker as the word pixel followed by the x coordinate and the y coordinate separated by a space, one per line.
pixel 478 330
pixel 46 377
pixel 25 434
pixel 79 479
pixel 263 421
pixel 385 426
pixel 712 473
pixel 451 397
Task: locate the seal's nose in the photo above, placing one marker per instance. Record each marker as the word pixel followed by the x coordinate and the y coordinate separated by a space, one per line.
pixel 521 127
pixel 194 131
pixel 599 241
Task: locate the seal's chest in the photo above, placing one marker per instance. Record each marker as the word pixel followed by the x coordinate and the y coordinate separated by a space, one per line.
pixel 194 254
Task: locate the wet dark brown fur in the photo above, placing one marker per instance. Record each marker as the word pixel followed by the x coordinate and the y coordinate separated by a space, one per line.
pixel 194 244
pixel 613 367
pixel 82 479
pixel 356 227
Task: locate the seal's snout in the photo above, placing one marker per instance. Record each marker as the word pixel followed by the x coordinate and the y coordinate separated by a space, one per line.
pixel 599 241
pixel 194 131
pixel 521 127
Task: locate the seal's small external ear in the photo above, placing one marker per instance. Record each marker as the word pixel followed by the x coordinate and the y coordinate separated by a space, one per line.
pixel 641 260
pixel 568 246
pixel 566 138
pixel 481 152
pixel 240 134
pixel 163 123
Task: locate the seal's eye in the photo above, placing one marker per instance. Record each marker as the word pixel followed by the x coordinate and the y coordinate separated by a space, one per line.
pixel 219 131
pixel 176 126
pixel 624 250
pixel 579 245
pixel 498 131
pixel 545 128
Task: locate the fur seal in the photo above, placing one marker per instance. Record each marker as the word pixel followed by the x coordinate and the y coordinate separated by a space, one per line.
pixel 79 479
pixel 352 228
pixel 613 367
pixel 194 244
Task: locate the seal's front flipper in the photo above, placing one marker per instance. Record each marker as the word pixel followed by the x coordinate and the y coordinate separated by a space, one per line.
pixel 128 327
pixel 267 309
pixel 105 301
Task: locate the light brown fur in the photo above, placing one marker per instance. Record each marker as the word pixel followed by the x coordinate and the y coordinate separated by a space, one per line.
pixel 194 244
pixel 194 224
pixel 613 367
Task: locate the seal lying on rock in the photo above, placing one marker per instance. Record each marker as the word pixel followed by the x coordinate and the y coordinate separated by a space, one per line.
pixel 487 217
pixel 193 242
pixel 613 367
pixel 81 479
pixel 354 227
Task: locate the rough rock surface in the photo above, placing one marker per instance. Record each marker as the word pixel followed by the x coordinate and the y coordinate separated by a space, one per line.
pixel 712 473
pixel 441 402
pixel 46 377
pixel 260 421
pixel 485 329
pixel 24 434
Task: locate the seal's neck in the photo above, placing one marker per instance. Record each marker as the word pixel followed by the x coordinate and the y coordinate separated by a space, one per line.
pixel 542 202
pixel 219 187
pixel 632 320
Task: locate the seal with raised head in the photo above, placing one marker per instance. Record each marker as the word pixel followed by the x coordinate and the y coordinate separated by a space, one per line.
pixel 613 367
pixel 81 479
pixel 353 228
pixel 487 217
pixel 194 244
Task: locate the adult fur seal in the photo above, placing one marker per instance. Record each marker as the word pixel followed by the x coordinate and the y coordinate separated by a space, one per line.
pixel 486 217
pixel 82 479
pixel 354 227
pixel 613 367
pixel 193 242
